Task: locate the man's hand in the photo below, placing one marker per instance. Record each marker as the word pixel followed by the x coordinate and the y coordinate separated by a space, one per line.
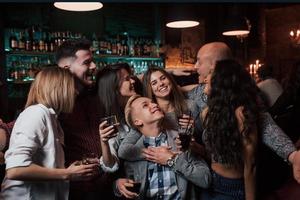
pixel 123 184
pixel 181 71
pixel 159 154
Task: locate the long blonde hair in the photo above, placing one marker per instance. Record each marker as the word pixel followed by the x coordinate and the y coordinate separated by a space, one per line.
pixel 53 87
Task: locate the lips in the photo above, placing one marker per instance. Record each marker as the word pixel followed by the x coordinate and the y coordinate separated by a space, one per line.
pixel 163 89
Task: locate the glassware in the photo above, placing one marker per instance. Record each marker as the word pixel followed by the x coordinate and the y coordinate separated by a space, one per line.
pixel 110 121
pixel 185 134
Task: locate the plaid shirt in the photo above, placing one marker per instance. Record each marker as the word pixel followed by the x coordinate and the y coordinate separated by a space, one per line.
pixel 161 179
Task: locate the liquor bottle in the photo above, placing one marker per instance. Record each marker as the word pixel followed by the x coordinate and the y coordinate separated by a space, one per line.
pixel 28 42
pixel 109 47
pixel 119 46
pixel 114 47
pixel 35 42
pixel 46 41
pixel 21 43
pixel 41 42
pixel 13 42
pixel 95 44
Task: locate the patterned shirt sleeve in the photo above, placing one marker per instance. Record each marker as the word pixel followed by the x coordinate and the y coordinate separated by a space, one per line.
pixel 274 137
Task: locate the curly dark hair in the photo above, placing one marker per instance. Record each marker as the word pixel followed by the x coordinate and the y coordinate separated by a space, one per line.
pixel 231 87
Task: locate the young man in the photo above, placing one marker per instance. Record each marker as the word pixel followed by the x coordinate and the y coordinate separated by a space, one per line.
pixel 81 126
pixel 165 175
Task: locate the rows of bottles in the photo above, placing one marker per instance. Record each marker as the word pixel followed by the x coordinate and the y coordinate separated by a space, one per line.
pixel 123 45
pixel 38 39
pixel 23 68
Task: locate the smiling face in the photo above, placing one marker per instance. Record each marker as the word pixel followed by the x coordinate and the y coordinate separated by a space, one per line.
pixel 145 111
pixel 82 66
pixel 160 85
pixel 126 84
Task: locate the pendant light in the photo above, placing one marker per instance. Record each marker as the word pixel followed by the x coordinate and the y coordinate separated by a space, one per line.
pixel 78 6
pixel 181 16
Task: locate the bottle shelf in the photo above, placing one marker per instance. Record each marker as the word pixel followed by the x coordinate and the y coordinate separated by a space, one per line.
pixel 24 81
pixel 29 53
pixel 96 56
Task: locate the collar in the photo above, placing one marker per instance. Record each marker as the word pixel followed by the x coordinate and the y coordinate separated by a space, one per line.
pixel 155 141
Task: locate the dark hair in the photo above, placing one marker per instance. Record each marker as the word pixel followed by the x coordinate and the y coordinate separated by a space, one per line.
pixel 107 85
pixel 176 97
pixel 70 47
pixel 264 72
pixel 138 85
pixel 231 87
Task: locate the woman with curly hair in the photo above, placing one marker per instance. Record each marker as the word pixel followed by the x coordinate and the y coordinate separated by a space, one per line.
pixel 230 134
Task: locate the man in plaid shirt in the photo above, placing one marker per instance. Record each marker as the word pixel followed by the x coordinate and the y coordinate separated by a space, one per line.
pixel 171 177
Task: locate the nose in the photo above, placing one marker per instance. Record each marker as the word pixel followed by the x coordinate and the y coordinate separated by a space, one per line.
pixel 196 65
pixel 132 81
pixel 160 83
pixel 153 105
pixel 92 65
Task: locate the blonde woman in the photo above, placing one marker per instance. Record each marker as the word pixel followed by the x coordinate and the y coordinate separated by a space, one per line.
pixel 35 158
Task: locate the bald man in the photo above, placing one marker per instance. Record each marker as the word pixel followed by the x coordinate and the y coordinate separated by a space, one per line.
pixel 272 135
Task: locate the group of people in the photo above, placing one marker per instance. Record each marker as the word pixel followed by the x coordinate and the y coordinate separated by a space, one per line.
pixel 61 123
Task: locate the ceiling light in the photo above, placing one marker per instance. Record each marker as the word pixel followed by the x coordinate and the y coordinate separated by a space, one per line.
pixel 182 24
pixel 78 6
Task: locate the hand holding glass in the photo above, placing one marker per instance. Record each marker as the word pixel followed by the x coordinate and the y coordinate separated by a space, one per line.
pixel 110 121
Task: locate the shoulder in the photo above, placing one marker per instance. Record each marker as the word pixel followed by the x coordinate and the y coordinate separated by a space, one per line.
pixel 32 116
pixel 204 112
pixel 35 111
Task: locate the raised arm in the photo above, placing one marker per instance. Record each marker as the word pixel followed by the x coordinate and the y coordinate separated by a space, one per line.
pixel 275 138
pixel 131 147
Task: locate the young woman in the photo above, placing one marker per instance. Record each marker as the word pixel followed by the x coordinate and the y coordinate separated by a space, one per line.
pixel 114 86
pixel 163 90
pixel 230 134
pixel 35 158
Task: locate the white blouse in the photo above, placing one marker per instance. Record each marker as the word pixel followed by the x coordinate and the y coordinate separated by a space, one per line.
pixel 36 138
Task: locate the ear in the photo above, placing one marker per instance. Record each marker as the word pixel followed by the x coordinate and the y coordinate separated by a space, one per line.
pixel 138 122
pixel 64 63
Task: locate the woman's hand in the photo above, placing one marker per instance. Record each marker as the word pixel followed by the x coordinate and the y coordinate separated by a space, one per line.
pixel 123 184
pixel 106 132
pixel 159 155
pixel 186 121
pixel 82 172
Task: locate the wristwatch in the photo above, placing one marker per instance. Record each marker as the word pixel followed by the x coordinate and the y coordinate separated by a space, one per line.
pixel 172 160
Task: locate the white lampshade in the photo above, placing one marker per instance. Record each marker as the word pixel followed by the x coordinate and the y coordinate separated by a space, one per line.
pixel 182 24
pixel 78 6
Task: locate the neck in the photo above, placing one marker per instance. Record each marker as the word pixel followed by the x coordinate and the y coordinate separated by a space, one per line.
pixel 165 105
pixel 151 130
